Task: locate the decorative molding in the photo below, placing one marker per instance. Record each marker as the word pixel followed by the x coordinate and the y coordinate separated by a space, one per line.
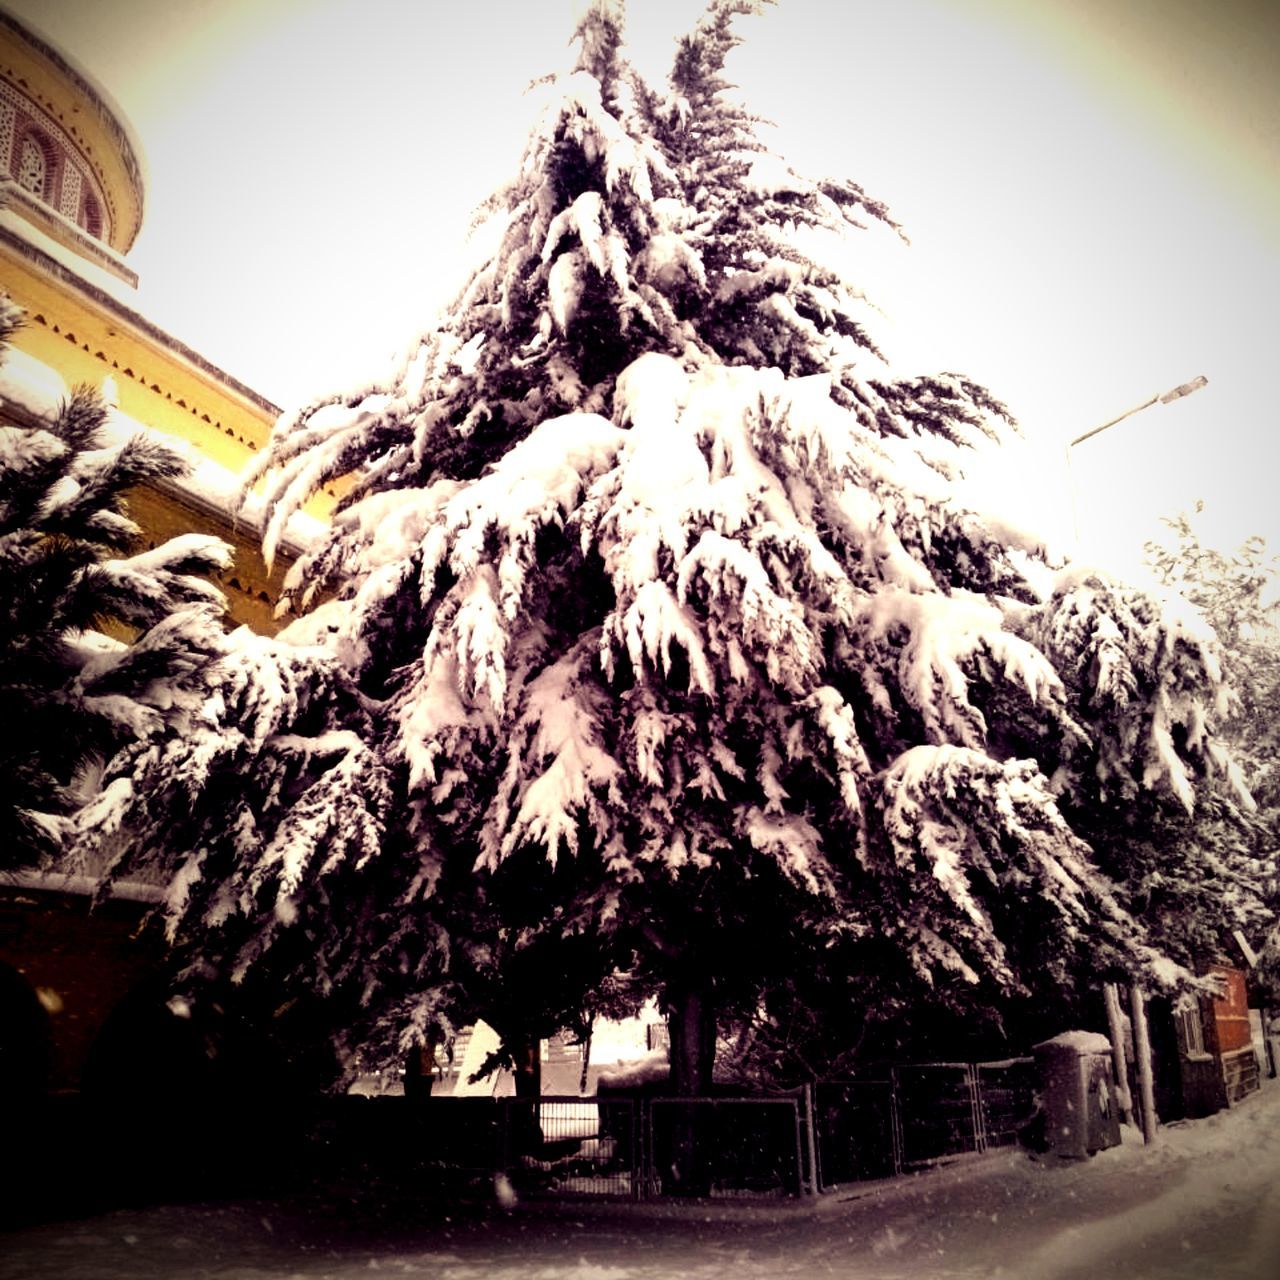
pixel 70 172
pixel 65 232
pixel 117 313
pixel 101 111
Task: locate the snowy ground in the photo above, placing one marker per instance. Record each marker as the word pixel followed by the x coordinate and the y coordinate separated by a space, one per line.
pixel 1204 1202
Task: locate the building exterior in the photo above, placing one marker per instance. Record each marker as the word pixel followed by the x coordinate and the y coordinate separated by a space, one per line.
pixel 1206 1058
pixel 74 975
pixel 71 205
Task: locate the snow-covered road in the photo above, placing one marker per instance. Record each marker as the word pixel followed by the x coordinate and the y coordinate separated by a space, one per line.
pixel 1203 1203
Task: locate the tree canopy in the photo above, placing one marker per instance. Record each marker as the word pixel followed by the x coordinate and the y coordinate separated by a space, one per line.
pixel 1235 592
pixel 655 646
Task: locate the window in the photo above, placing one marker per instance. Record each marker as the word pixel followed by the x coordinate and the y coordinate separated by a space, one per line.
pixel 1186 1017
pixel 33 166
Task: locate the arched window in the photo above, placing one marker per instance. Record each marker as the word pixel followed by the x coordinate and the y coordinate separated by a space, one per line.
pixel 33 166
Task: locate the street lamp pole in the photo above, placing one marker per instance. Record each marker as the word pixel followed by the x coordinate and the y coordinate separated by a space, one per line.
pixel 1185 389
pixel 1165 397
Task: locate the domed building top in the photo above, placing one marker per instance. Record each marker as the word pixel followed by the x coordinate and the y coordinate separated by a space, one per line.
pixel 69 161
pixel 71 200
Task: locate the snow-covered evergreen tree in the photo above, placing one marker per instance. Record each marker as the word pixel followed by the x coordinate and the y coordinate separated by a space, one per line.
pixel 70 696
pixel 679 654
pixel 1235 594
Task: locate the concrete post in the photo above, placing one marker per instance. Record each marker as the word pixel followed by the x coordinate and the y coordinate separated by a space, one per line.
pixel 1142 1060
pixel 1111 998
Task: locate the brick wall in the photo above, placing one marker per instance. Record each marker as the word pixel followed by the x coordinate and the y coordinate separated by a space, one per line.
pixel 1229 1015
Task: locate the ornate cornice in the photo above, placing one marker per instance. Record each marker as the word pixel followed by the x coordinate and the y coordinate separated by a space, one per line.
pixel 113 155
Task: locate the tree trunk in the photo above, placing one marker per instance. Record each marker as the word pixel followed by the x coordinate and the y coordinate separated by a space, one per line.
pixel 1111 997
pixel 691 1025
pixel 586 1059
pixel 526 1119
pixel 417 1073
pixel 526 1058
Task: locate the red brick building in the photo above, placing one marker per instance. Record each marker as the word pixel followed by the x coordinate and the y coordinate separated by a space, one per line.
pixel 1205 1055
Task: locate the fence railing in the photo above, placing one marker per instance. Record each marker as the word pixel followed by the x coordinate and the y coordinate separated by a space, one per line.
pixel 1007 1092
pixel 914 1115
pixel 573 1146
pixel 644 1148
pixel 938 1111
pixel 725 1147
pixel 856 1130
pixel 817 1137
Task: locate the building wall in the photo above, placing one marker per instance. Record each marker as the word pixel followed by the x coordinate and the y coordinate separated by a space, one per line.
pixel 39 155
pixel 88 336
pixel 66 270
pixel 76 975
pixel 1227 1019
pixel 81 132
pixel 78 962
pixel 1229 1015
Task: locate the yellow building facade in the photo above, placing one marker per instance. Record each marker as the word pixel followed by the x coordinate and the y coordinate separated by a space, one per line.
pixel 71 206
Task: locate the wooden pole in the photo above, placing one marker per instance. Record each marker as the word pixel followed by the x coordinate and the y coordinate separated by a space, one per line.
pixel 1142 1059
pixel 1111 998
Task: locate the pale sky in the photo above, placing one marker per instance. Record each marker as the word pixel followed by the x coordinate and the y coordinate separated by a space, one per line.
pixel 1091 188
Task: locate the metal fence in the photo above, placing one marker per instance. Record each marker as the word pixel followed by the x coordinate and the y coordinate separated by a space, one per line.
pixel 917 1114
pixel 817 1137
pixel 725 1147
pixel 644 1148
pixel 856 1130
pixel 938 1111
pixel 573 1146
pixel 1007 1092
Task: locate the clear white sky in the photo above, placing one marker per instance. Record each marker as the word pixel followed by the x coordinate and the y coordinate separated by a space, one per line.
pixel 1091 187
